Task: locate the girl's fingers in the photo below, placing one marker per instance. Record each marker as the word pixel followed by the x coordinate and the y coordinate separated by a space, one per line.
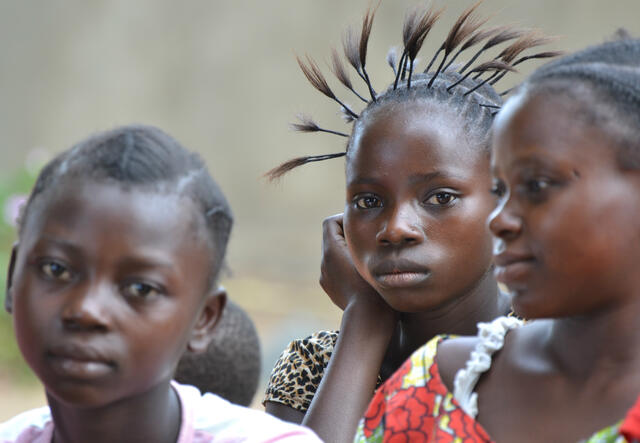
pixel 339 220
pixel 332 229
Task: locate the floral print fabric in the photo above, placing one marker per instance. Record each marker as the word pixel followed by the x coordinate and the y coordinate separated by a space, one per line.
pixel 414 405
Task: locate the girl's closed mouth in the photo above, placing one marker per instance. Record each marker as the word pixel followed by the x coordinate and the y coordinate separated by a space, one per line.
pixel 401 279
pixel 511 266
pixel 400 273
pixel 79 362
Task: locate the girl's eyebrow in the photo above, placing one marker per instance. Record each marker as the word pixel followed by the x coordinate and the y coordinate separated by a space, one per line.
pixel 425 178
pixel 142 260
pixel 531 160
pixel 413 178
pixel 146 261
pixel 66 245
pixel 363 181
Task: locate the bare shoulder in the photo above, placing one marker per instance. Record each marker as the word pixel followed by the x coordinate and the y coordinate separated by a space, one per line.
pixel 453 355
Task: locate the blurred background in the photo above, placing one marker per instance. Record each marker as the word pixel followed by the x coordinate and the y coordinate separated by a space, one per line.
pixel 221 77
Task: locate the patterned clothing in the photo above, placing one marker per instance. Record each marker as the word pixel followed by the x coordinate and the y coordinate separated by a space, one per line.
pixel 297 373
pixel 299 370
pixel 607 435
pixel 414 405
pixel 205 419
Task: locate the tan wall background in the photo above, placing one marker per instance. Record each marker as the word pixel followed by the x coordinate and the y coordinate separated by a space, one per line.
pixel 221 77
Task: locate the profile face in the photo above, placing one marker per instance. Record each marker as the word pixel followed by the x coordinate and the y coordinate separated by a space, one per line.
pixel 566 226
pixel 106 287
pixel 416 206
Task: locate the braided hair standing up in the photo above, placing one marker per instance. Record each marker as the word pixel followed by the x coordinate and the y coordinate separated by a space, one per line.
pixel 467 89
pixel 410 257
pixel 564 162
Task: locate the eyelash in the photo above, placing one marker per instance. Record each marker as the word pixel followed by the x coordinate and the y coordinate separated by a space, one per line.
pixel 498 189
pixel 373 202
pixel 535 189
pixel 359 202
pixel 55 270
pixel 452 199
pixel 539 185
pixel 148 290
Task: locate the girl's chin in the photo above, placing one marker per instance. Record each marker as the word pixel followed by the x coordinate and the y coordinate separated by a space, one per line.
pixel 411 302
pixel 530 305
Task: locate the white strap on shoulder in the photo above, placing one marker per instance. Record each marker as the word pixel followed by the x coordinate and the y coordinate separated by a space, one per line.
pixel 491 339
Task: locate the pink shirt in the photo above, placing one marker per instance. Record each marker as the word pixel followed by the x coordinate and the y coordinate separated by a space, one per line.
pixel 205 419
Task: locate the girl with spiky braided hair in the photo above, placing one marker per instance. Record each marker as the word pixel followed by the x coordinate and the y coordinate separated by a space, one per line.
pixel 565 161
pixel 411 256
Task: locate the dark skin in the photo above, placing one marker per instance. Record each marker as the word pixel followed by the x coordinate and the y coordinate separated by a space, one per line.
pixel 567 230
pixel 410 258
pixel 107 288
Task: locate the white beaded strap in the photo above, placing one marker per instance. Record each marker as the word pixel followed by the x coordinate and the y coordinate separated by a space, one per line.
pixel 491 337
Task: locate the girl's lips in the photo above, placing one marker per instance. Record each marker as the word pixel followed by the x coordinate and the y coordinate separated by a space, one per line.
pixel 506 258
pixel 402 279
pixel 399 273
pixel 513 270
pixel 78 361
pixel 80 369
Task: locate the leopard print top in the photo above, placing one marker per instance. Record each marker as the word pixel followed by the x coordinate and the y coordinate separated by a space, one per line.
pixel 297 373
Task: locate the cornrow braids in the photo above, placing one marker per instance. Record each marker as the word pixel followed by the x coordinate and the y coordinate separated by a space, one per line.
pixel 467 89
pixel 142 156
pixel 604 83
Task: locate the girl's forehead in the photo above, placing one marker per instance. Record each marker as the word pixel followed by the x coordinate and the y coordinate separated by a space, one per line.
pixel 534 119
pixel 413 111
pixel 106 228
pixel 136 212
pixel 416 134
pixel 543 127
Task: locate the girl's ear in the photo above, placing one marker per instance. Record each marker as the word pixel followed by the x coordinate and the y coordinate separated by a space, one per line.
pixel 210 314
pixel 8 298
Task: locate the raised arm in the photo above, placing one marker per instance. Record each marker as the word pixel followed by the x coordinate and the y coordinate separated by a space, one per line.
pixel 366 329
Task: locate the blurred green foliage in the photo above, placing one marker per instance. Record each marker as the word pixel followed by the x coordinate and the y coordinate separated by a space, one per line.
pixel 13 185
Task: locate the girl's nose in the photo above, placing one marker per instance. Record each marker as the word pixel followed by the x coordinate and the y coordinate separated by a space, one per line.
pixel 86 309
pixel 402 227
pixel 504 223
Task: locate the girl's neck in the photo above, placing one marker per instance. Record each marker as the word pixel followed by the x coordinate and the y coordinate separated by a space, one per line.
pixel 597 344
pixel 482 303
pixel 154 415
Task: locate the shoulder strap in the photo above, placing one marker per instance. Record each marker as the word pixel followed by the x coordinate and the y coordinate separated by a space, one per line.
pixel 490 339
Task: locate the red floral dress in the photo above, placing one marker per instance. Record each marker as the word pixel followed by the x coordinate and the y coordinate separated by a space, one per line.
pixel 414 405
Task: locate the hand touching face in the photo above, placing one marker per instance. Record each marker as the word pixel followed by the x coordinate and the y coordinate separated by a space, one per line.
pixel 416 207
pixel 338 277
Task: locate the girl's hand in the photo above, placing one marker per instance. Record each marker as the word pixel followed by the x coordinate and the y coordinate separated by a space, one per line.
pixel 338 276
pixel 367 327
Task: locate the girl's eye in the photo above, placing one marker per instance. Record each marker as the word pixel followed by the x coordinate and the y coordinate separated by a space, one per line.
pixel 140 290
pixel 498 189
pixel 536 186
pixel 56 271
pixel 441 198
pixel 368 202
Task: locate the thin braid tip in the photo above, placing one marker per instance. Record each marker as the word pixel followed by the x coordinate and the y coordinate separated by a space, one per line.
pixel 279 171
